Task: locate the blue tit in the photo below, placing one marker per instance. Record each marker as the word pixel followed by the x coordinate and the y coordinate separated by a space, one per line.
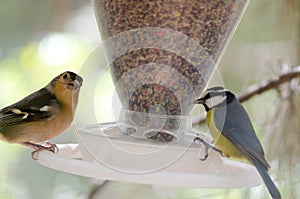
pixel 233 133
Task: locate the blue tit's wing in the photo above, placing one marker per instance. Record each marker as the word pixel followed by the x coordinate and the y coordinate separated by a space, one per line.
pixel 236 127
pixel 37 106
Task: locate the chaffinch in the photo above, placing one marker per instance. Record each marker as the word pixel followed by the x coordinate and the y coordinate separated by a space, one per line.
pixel 42 115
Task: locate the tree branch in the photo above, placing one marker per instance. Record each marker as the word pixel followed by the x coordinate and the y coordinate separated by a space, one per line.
pixel 264 86
pixel 270 84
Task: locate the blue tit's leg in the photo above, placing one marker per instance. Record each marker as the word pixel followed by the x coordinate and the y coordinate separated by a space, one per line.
pixel 207 145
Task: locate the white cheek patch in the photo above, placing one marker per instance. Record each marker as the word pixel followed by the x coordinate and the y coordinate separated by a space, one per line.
pixel 215 100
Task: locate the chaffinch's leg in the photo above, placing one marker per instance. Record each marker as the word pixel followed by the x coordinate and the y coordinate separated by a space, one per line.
pixel 49 147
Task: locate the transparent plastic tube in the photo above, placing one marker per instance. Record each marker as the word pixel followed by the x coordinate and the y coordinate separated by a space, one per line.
pixel 169 48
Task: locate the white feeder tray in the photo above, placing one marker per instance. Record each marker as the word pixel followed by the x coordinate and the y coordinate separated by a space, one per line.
pixel 108 152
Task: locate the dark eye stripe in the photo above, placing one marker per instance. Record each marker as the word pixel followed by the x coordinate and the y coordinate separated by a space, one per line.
pixel 217 88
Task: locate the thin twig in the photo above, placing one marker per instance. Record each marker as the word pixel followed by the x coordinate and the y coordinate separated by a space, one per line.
pixel 270 84
pixel 264 86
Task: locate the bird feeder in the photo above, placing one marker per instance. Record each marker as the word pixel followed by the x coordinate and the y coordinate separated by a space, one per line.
pixel 161 54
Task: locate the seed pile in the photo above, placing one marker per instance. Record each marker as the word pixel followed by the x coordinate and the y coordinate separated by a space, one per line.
pixel 207 22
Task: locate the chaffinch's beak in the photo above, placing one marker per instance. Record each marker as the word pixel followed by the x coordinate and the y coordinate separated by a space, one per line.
pixel 74 85
pixel 77 83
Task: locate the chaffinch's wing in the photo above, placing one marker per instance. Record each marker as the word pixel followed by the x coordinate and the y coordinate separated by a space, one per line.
pixel 40 105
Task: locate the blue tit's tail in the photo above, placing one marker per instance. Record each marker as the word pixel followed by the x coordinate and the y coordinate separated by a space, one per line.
pixel 274 192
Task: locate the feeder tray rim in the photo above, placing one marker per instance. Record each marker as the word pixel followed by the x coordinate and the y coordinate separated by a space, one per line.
pixel 68 160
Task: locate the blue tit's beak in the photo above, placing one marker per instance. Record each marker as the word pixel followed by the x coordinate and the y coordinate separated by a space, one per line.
pixel 199 101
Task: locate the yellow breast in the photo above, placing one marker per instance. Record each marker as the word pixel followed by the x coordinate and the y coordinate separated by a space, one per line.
pixel 221 141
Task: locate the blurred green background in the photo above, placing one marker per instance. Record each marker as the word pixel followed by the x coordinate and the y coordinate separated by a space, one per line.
pixel 40 39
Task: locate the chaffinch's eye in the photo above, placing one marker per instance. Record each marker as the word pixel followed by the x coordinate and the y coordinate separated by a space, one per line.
pixel 65 76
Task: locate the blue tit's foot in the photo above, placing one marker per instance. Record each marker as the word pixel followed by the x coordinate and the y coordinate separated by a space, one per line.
pixel 208 146
pixel 224 155
pixel 38 148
